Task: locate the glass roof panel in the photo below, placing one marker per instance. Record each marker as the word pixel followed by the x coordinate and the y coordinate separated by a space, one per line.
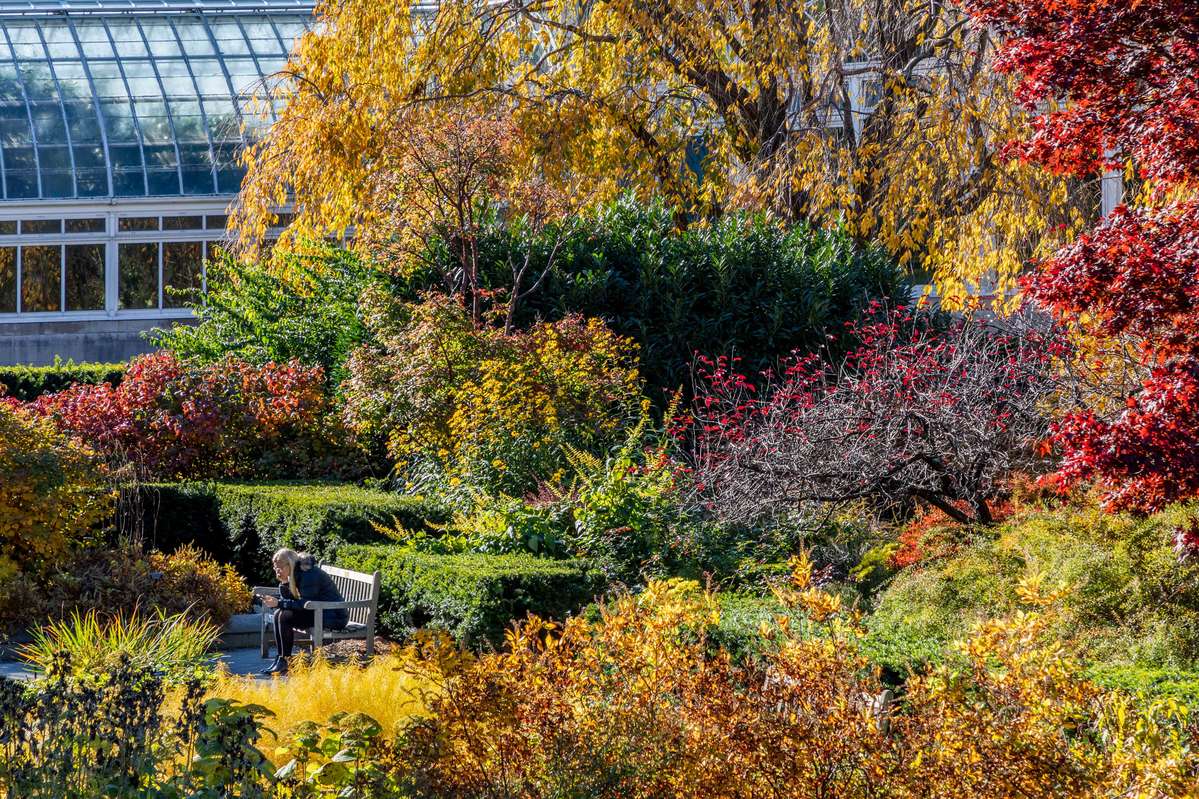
pixel 129 97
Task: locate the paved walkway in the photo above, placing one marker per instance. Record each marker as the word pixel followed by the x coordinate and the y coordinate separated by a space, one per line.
pixel 238 661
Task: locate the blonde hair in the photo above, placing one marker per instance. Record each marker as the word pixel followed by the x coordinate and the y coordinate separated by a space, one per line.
pixel 292 559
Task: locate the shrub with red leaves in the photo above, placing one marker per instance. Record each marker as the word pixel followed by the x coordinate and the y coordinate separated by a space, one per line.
pixel 1123 78
pixel 920 413
pixel 229 419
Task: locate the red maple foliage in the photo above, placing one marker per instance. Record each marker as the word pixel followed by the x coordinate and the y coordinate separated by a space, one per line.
pixel 1118 80
pixel 229 419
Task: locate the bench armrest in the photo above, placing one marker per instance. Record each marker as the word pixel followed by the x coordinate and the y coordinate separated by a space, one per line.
pixel 314 605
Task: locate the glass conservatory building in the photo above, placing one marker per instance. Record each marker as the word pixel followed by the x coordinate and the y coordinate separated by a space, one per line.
pixel 121 124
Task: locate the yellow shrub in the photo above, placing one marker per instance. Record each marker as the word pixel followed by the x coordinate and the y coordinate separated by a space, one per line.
pixel 192 581
pixel 50 495
pixel 387 690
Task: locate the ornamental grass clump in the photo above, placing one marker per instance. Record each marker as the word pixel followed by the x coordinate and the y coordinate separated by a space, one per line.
pixel 175 647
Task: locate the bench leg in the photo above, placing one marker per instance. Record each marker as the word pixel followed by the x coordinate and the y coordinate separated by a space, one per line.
pixel 318 630
pixel 370 638
pixel 264 645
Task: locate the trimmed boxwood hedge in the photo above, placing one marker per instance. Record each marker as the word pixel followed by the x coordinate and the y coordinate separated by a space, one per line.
pixel 244 523
pixel 27 383
pixel 474 597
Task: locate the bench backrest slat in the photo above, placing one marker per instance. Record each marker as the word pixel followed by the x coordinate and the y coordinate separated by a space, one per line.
pixel 356 587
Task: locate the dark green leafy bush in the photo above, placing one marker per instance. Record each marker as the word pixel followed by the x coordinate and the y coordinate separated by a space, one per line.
pixel 111 734
pixel 473 596
pixel 244 523
pixel 29 382
pixel 740 286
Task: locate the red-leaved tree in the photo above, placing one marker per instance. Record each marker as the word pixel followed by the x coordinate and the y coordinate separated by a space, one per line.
pixel 1118 81
pixel 919 413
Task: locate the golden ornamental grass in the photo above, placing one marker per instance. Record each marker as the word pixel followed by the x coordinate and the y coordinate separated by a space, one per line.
pixel 314 691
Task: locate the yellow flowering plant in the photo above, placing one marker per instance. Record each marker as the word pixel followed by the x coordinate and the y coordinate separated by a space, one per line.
pixel 473 407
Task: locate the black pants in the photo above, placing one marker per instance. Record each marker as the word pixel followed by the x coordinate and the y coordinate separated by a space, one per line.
pixel 286 623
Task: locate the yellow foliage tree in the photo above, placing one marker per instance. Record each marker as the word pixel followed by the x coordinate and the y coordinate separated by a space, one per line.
pixel 884 117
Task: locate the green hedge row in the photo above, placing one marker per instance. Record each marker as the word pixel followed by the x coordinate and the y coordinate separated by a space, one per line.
pixel 30 382
pixel 474 597
pixel 244 523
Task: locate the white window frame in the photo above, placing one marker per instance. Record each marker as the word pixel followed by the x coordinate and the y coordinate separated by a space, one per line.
pixel 111 212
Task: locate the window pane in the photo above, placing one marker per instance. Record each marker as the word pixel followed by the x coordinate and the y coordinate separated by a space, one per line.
pixel 8 227
pixel 85 277
pixel 20 183
pixel 182 269
pixel 8 279
pixel 129 37
pixel 138 275
pixel 93 38
pixel 91 182
pixel 40 226
pixel 127 183
pixel 216 222
pixel 58 183
pixel 137 223
pixel 193 35
pixel 182 222
pixel 85 225
pixel 41 269
pixel 162 181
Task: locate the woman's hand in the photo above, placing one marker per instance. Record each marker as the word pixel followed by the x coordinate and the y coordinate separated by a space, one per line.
pixel 270 601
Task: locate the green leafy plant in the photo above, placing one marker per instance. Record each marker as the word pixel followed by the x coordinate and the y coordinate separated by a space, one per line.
pixel 112 734
pixel 251 313
pixel 741 284
pixel 173 646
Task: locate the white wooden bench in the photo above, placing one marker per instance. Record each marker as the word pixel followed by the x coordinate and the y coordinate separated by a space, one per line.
pixel 361 592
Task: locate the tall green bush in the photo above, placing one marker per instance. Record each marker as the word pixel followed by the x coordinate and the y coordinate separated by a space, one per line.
pixel 475 597
pixel 740 285
pixel 244 523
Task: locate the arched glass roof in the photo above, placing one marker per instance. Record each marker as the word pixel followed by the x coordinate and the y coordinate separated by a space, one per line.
pixel 132 98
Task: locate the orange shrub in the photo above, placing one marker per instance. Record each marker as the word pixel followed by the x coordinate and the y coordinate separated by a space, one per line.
pixel 639 703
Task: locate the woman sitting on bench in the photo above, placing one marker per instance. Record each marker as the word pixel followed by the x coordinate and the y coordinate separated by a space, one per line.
pixel 300 581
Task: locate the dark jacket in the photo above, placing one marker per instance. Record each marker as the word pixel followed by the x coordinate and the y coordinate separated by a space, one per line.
pixel 317 586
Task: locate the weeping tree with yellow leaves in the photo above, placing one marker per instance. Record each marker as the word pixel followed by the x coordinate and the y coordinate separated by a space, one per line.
pixel 883 117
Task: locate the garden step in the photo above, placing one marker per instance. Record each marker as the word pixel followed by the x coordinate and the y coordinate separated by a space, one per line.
pixel 242 631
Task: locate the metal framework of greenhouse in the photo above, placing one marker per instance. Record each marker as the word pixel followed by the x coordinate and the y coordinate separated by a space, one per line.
pixel 121 127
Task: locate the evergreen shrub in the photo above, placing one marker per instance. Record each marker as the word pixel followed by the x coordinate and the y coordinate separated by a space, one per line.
pixel 244 523
pixel 27 383
pixel 475 597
